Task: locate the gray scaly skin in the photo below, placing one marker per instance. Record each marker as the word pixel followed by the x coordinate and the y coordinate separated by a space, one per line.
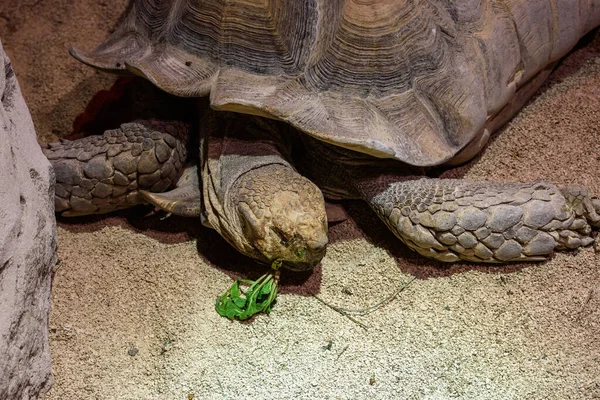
pixel 282 215
pixel 451 220
pixel 249 193
pixel 100 174
pixel 253 196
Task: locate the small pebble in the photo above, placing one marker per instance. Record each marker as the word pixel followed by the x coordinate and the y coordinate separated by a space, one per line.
pixel 132 352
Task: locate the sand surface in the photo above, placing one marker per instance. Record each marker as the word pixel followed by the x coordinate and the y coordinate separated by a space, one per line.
pixel 133 297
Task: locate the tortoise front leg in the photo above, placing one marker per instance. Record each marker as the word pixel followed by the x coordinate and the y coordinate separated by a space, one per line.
pixel 450 220
pixel 99 174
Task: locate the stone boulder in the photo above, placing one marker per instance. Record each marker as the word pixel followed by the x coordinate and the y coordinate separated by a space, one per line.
pixel 27 247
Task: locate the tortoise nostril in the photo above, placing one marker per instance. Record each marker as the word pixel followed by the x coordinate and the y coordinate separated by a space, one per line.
pixel 318 244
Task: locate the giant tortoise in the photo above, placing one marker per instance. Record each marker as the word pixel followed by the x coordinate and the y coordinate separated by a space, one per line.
pixel 369 93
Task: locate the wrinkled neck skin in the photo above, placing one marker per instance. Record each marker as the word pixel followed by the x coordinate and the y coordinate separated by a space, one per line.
pixel 254 197
pixel 347 174
pixel 230 147
pixel 226 199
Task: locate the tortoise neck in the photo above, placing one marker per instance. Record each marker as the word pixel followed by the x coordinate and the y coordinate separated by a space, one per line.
pixel 372 182
pixel 345 174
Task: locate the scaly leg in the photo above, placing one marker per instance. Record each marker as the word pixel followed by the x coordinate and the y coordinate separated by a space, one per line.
pixel 99 174
pixel 450 220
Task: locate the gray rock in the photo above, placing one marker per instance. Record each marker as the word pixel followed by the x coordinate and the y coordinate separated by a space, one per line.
pixel 27 247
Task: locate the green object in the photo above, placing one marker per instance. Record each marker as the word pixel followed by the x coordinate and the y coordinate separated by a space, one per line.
pixel 260 296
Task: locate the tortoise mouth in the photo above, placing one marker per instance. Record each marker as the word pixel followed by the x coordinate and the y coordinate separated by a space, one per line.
pixel 299 266
pixel 295 266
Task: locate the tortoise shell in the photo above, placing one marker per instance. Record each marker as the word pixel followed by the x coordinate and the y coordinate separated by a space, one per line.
pixel 418 81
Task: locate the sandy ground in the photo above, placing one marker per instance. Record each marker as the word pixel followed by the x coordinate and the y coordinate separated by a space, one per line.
pixel 133 298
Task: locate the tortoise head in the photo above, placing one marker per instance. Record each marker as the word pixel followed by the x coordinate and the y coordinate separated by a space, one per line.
pixel 283 217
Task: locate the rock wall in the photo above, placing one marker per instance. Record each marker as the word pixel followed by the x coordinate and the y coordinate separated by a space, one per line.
pixel 27 247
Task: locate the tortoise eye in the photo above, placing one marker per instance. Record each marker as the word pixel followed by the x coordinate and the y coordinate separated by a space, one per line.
pixel 283 240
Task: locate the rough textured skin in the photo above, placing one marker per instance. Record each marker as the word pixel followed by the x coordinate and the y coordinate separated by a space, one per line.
pixel 412 80
pixel 451 220
pixel 246 189
pixel 99 174
pixel 271 211
pixel 283 215
pixel 27 247
pixel 484 222
pixel 185 200
pixel 254 197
